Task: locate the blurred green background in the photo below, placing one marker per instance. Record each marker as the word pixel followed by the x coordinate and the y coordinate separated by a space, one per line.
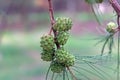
pixel 23 22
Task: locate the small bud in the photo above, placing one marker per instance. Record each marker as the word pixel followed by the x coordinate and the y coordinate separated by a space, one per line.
pixel 111 27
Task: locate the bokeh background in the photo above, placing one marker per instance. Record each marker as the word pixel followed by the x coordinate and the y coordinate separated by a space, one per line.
pixel 23 22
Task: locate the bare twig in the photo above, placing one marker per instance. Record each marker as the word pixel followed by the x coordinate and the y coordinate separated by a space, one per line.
pixel 115 5
pixel 51 15
pixel 51 12
pixel 52 22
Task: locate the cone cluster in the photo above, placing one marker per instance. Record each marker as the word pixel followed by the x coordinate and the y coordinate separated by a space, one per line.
pixel 62 26
pixel 59 57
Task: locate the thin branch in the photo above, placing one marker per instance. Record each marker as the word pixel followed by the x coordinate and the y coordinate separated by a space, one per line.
pixel 51 13
pixel 73 76
pixel 115 5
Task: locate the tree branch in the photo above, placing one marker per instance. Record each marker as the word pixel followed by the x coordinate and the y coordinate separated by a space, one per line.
pixel 52 22
pixel 115 5
pixel 51 12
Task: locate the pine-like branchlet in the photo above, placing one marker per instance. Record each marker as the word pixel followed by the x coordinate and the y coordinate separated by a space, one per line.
pixel 59 57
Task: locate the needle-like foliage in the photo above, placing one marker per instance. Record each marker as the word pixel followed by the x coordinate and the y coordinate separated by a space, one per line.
pixel 64 65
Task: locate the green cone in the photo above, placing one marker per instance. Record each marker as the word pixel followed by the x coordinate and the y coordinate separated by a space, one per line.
pixel 70 60
pixel 47 42
pixel 56 67
pixel 61 55
pixel 63 24
pixel 47 55
pixel 62 37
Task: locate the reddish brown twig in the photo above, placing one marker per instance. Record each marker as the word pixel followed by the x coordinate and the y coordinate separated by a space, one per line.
pixel 116 7
pixel 51 15
pixel 51 12
pixel 52 22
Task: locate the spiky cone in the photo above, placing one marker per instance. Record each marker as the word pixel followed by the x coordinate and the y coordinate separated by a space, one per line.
pixel 111 26
pixel 93 1
pixel 63 24
pixel 47 42
pixel 61 55
pixel 70 60
pixel 56 67
pixel 47 55
pixel 62 37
